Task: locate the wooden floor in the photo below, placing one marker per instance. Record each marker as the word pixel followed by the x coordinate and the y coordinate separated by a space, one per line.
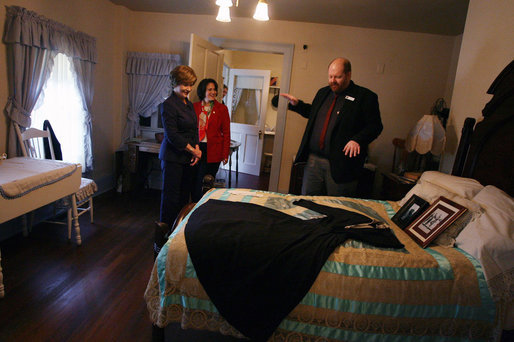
pixel 244 180
pixel 57 291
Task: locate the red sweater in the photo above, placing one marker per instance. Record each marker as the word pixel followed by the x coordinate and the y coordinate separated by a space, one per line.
pixel 218 132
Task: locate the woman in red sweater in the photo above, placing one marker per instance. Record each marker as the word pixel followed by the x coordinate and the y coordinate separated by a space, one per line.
pixel 214 133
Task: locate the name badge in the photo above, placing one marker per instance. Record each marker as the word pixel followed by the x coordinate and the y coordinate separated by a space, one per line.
pixel 347 97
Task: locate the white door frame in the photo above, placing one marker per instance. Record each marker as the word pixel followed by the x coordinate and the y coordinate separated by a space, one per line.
pixel 287 51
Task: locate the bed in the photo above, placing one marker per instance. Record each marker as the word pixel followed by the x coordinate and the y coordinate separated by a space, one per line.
pixel 459 288
pixel 27 184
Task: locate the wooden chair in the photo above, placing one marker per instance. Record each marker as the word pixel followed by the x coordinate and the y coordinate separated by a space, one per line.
pixel 399 156
pixel 32 142
pixel 32 146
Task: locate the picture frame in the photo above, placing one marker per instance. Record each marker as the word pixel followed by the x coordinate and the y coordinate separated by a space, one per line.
pixel 411 210
pixel 434 221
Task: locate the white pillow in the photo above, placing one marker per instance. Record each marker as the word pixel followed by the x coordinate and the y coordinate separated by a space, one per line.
pixel 430 192
pixel 493 231
pixel 494 200
pixel 464 187
pixel 490 239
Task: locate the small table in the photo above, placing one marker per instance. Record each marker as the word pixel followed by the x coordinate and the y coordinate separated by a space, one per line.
pixel 234 146
pixel 150 146
pixel 136 161
pixel 394 187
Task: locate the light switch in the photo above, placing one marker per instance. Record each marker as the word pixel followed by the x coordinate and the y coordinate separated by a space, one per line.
pixel 380 68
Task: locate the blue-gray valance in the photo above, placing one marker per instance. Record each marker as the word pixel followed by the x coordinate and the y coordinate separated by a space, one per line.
pixel 148 86
pixel 31 29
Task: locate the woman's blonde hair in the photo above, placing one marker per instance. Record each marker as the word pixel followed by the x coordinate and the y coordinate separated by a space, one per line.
pixel 182 74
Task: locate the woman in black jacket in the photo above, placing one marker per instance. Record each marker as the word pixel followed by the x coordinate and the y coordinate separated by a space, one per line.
pixel 179 149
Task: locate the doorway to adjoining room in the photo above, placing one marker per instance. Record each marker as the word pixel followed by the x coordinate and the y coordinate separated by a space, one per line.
pixel 253 80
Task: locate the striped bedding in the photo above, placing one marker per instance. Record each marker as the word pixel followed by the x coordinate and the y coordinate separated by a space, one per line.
pixel 363 293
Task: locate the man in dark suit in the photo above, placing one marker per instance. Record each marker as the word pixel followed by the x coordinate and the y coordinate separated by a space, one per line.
pixel 344 119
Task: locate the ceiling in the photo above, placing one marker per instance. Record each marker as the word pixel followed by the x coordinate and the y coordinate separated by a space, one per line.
pixel 445 17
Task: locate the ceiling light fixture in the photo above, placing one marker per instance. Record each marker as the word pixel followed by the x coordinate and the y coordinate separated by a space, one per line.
pixel 224 3
pixel 223 14
pixel 261 11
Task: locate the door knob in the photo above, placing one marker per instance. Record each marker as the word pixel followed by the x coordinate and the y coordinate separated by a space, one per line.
pixel 260 134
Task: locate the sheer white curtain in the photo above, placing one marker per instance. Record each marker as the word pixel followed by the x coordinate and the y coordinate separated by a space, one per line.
pixel 236 97
pixel 258 94
pixel 61 104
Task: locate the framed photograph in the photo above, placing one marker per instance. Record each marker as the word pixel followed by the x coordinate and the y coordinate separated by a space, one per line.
pixel 434 220
pixel 414 207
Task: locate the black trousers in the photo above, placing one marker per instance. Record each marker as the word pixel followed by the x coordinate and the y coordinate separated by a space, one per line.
pixel 176 189
pixel 200 170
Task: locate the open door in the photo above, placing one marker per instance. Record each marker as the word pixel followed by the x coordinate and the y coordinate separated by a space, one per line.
pixel 207 61
pixel 247 104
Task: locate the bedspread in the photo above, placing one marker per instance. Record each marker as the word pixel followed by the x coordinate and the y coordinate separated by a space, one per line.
pixel 24 175
pixel 362 292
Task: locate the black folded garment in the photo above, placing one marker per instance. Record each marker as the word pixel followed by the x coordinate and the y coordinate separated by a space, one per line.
pixel 256 264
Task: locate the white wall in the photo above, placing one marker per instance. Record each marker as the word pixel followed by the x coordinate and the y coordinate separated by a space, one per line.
pixel 487 48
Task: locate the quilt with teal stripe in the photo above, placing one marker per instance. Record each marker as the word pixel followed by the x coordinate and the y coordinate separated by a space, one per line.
pixel 363 293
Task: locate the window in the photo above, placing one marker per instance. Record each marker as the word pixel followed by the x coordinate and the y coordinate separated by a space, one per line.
pixel 151 125
pixel 61 104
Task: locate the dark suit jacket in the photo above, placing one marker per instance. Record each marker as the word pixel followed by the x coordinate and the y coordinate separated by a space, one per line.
pixel 358 120
pixel 180 128
pixel 55 143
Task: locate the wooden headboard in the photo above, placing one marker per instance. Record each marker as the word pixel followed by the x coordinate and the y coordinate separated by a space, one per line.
pixel 485 151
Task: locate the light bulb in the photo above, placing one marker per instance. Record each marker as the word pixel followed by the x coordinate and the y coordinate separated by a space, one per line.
pixel 224 3
pixel 223 14
pixel 261 11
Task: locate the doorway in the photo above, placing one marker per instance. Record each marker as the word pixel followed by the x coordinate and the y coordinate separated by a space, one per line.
pixel 209 49
pixel 286 51
pixel 248 93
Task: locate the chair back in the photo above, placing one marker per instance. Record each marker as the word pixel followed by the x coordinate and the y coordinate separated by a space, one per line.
pixel 32 142
pixel 400 155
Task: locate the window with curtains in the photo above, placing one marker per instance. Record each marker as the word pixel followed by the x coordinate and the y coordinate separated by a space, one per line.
pixel 60 103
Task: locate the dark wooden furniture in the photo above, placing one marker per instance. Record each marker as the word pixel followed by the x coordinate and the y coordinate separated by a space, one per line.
pixel 485 153
pixel 488 156
pixel 139 162
pixel 399 155
pixel 234 147
pixel 394 188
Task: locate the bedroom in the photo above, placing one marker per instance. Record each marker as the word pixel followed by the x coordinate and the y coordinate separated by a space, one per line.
pixel 421 66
